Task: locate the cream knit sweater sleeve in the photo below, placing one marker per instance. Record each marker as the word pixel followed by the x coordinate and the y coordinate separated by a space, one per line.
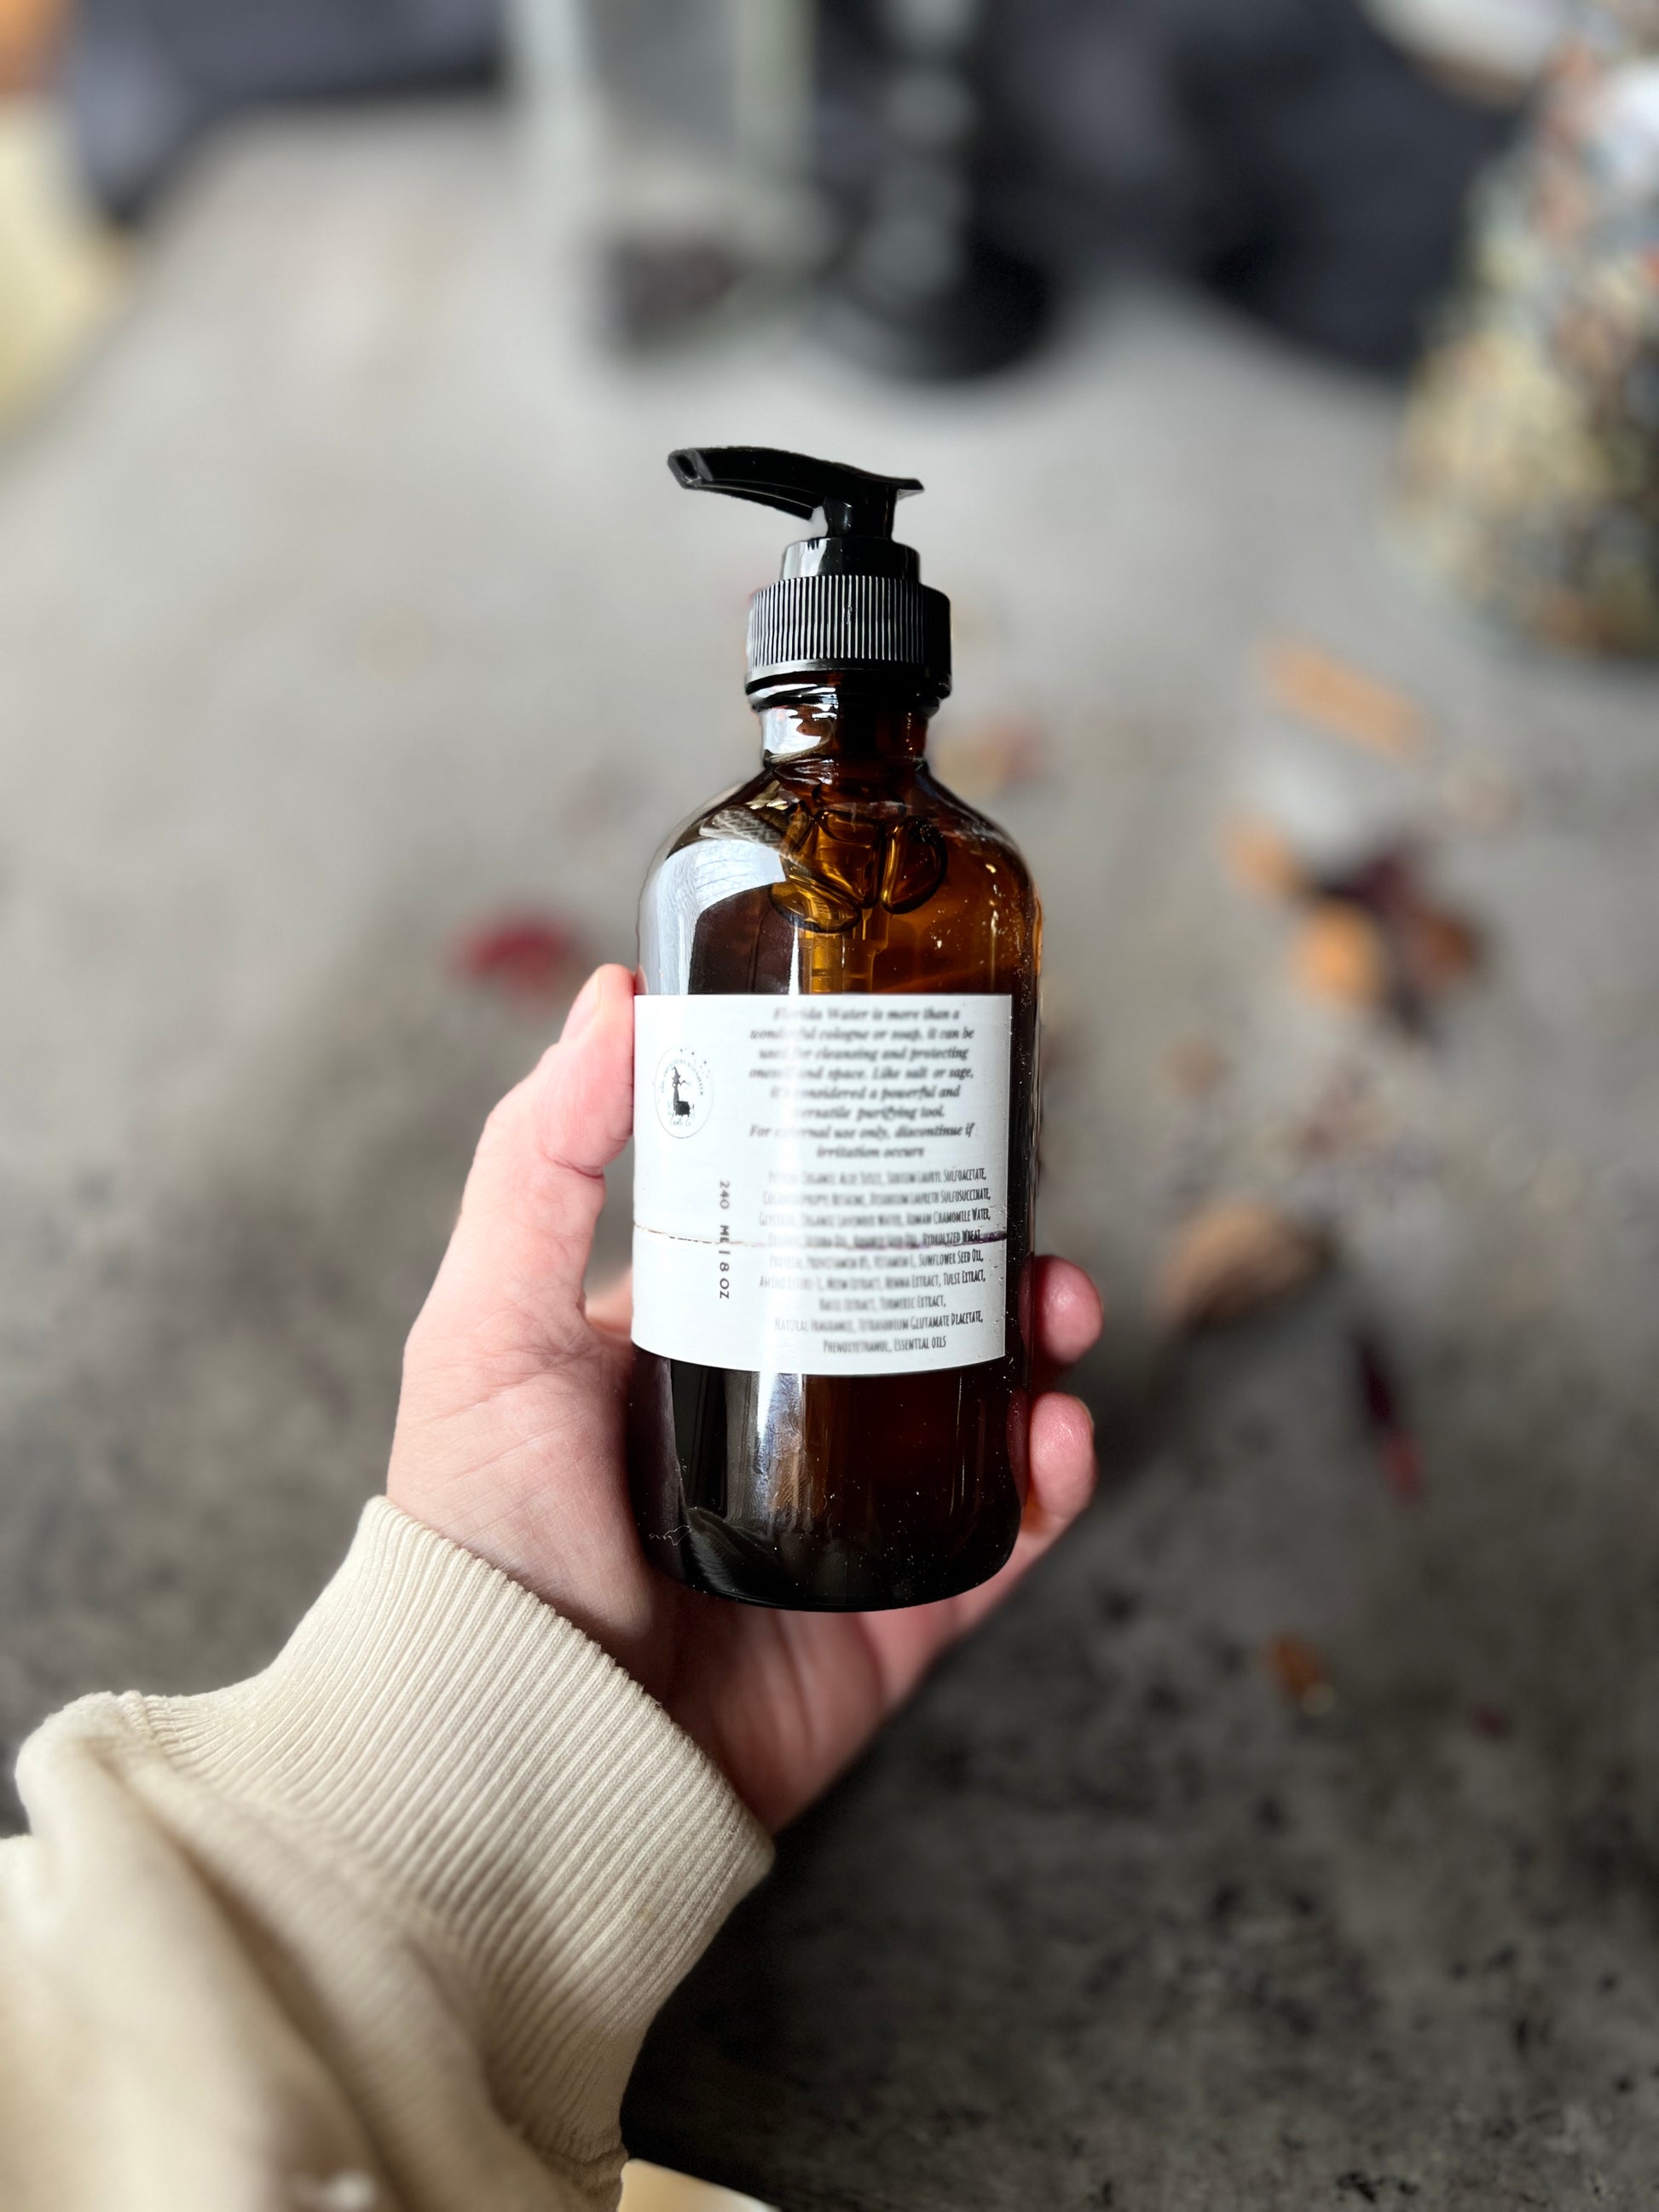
pixel 379 1931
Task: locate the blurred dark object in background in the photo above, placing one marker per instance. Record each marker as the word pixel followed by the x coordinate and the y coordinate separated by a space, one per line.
pixel 654 292
pixel 977 154
pixel 672 156
pixel 1333 171
pixel 145 78
pixel 1082 147
pixel 1286 151
pixel 922 288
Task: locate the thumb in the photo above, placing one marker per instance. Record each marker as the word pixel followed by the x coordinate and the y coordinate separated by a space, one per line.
pixel 511 1281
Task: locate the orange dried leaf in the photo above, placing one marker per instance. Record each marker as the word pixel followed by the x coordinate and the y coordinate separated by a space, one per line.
pixel 1262 859
pixel 1340 953
pixel 1438 949
pixel 1299 1673
pixel 1234 1259
pixel 1341 700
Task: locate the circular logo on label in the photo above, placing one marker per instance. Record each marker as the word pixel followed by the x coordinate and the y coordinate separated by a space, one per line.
pixel 683 1092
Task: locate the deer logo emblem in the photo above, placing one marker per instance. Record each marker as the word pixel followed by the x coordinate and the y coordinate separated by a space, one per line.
pixel 683 1092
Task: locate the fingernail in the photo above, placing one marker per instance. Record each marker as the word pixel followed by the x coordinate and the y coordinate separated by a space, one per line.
pixel 583 1007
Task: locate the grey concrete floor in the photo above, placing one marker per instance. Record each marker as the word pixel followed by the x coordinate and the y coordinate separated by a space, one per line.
pixel 345 602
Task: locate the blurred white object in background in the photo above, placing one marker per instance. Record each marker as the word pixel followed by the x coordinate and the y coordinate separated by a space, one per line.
pixel 59 269
pixel 673 144
pixel 1334 804
pixel 1504 42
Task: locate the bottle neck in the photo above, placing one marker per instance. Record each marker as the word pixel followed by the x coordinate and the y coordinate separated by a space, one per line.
pixel 834 726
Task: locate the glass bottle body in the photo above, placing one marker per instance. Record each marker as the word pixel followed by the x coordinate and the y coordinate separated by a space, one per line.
pixel 843 866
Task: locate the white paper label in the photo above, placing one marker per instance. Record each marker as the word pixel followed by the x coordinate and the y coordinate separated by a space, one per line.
pixel 821 1184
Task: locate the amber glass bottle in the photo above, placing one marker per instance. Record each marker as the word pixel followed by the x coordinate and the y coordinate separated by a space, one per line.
pixel 836 1129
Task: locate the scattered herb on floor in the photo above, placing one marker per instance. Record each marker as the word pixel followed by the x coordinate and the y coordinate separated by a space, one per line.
pixel 1298 1671
pixel 1342 700
pixel 529 955
pixel 1233 1260
pixel 1383 1415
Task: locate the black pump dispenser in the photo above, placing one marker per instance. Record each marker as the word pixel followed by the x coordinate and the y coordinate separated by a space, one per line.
pixel 848 599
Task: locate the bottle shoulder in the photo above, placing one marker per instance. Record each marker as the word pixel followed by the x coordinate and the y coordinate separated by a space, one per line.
pixel 845 882
pixel 976 832
pixel 764 808
pixel 727 815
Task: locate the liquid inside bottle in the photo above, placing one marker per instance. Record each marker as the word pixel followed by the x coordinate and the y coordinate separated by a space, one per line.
pixel 844 871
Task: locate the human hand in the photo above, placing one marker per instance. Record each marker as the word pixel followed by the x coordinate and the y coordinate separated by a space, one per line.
pixel 510 1441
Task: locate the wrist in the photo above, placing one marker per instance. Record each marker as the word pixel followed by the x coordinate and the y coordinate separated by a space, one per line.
pixel 441 1765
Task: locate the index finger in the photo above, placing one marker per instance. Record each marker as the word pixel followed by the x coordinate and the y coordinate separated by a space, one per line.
pixel 1067 1312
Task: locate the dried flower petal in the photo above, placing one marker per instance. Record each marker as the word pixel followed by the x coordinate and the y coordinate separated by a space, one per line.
pixel 1339 699
pixel 1383 881
pixel 529 955
pixel 1262 859
pixel 1438 949
pixel 1383 1413
pixel 1234 1259
pixel 1299 1673
pixel 1341 953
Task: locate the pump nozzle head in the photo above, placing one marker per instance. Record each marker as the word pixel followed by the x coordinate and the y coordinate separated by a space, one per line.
pixel 852 502
pixel 849 600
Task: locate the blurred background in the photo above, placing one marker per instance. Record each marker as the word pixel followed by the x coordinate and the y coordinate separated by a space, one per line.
pixel 1284 378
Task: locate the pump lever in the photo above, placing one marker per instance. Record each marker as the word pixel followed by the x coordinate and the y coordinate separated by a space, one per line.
pixel 854 503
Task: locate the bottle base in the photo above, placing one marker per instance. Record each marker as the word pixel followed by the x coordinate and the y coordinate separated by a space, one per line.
pixel 815 1578
pixel 806 1494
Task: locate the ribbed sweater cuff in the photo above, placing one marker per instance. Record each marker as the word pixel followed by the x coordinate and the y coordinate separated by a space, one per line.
pixel 473 1763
